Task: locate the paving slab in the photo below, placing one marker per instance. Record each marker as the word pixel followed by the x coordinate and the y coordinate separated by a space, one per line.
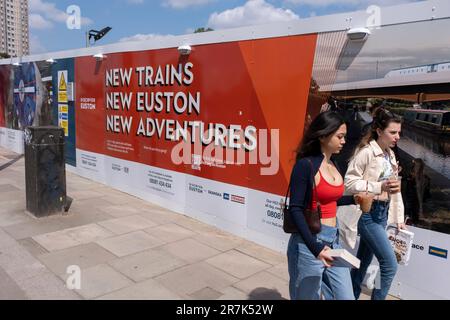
pixel 72 237
pixel 206 294
pixel 119 211
pixel 261 253
pixel 88 206
pixel 238 264
pixel 8 173
pixel 146 264
pixel 87 194
pixel 6 240
pixel 11 179
pixel 100 280
pixel 83 256
pixel 16 195
pixel 33 228
pixel 47 286
pixel 130 243
pixel 193 225
pixel 264 284
pixel 127 224
pixel 170 232
pixel 12 205
pixel 75 183
pixel 75 186
pixel 9 288
pixel 19 263
pixel 194 277
pixel 19 167
pixel 280 271
pixel 231 293
pixel 146 290
pixel 148 207
pixel 118 199
pixel 158 217
pixel 32 247
pixel 9 218
pixel 15 176
pixel 4 180
pixel 8 188
pixel 219 240
pixel 77 219
pixel 190 250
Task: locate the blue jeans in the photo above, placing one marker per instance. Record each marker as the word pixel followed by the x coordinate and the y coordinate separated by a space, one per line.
pixel 307 274
pixel 374 241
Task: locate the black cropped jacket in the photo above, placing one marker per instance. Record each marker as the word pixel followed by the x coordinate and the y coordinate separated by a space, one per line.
pixel 301 191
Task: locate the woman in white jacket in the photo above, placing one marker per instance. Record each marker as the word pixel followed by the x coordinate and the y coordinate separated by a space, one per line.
pixel 374 169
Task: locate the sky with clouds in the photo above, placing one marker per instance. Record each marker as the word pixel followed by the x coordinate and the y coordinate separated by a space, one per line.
pixel 144 19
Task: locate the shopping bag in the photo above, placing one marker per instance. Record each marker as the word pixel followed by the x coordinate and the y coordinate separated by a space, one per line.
pixel 401 241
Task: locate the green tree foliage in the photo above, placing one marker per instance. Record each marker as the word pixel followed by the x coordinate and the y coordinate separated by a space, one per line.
pixel 198 30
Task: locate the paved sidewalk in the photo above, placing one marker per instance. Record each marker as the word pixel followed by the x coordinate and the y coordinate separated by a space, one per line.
pixel 126 248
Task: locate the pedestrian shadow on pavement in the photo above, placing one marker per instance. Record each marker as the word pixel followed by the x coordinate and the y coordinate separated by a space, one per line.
pixel 265 294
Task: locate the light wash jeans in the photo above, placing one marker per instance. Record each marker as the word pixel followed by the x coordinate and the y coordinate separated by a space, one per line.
pixel 374 241
pixel 308 276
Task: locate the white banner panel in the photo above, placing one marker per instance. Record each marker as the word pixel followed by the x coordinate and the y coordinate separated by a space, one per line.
pixel 12 140
pixel 220 200
pixel 160 182
pixel 264 214
pixel 120 173
pixel 91 165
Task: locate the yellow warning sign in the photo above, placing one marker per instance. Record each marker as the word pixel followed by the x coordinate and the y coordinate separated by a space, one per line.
pixel 62 97
pixel 63 108
pixel 65 125
pixel 62 83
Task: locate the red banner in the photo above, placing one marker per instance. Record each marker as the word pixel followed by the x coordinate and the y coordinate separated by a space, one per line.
pixel 139 106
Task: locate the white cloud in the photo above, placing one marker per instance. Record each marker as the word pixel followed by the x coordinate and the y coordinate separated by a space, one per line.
pixel 38 22
pixel 48 11
pixel 251 13
pixel 355 3
pixel 145 37
pixel 36 46
pixel 181 4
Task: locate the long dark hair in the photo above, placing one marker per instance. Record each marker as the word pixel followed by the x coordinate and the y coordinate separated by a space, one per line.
pixel 381 120
pixel 325 124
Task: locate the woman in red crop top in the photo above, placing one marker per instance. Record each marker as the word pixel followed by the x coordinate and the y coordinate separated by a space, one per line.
pixel 310 265
pixel 327 194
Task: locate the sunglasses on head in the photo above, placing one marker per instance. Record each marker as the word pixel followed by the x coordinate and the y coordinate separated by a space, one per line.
pixel 388 113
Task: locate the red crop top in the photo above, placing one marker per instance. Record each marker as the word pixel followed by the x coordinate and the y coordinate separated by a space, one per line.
pixel 328 195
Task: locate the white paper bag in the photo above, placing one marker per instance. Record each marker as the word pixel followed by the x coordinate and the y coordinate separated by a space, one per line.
pixel 401 241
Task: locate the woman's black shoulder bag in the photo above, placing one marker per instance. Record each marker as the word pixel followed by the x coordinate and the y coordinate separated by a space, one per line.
pixel 312 216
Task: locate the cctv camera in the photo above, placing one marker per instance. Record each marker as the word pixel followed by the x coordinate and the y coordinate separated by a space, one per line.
pixel 358 34
pixel 184 50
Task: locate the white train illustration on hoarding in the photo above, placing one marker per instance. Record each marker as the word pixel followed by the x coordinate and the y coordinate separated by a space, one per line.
pixel 423 69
